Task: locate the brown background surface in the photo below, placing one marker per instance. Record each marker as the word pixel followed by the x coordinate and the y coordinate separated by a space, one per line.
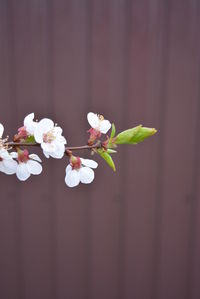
pixel 133 234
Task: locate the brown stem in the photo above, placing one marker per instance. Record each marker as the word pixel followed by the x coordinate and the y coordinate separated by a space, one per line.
pixel 72 148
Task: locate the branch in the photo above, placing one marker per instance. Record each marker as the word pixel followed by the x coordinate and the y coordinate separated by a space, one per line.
pixel 70 148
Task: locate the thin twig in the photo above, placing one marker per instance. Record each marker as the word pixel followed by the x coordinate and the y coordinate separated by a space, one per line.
pixel 70 148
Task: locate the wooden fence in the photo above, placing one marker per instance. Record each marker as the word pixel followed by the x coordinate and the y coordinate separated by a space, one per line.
pixel 132 234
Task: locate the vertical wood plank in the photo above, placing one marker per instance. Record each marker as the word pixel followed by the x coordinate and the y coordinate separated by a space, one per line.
pixel 178 153
pixel 107 98
pixel 10 283
pixel 71 83
pixel 193 272
pixel 30 25
pixel 144 104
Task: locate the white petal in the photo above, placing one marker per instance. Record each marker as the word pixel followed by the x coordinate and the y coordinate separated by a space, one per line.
pixel 48 147
pixel 93 120
pixel 72 178
pixel 44 126
pixel 57 155
pixel 89 163
pixel 59 150
pixel 1 130
pixel 30 124
pixel 58 130
pixel 14 155
pixel 105 126
pixel 68 168
pixel 10 166
pixel 35 157
pixel 22 172
pixel 28 119
pixel 61 139
pixel 4 154
pixel 2 168
pixel 38 134
pixel 86 175
pixel 46 154
pixel 34 167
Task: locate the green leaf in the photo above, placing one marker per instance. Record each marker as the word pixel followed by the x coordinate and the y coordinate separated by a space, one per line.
pixel 134 135
pixel 125 136
pixel 113 131
pixel 105 155
pixel 142 134
pixel 111 151
pixel 30 139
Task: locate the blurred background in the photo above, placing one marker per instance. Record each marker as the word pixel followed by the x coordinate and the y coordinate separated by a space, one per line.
pixel 131 234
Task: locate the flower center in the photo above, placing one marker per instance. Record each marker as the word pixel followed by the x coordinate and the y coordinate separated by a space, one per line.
pixel 49 137
pixel 101 118
pixel 75 162
pixel 23 156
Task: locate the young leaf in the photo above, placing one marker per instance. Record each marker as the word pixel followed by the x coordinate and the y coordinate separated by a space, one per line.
pixel 113 131
pixel 134 135
pixel 125 136
pixel 142 134
pixel 105 155
pixel 30 139
pixel 111 151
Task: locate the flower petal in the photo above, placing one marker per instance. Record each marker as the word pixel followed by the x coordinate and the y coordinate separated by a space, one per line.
pixel 72 177
pixel 48 147
pixel 57 155
pixel 30 124
pixel 2 168
pixel 57 149
pixel 86 175
pixel 46 154
pixel 68 168
pixel 34 167
pixel 35 157
pixel 10 166
pixel 105 126
pixel 89 163
pixel 93 120
pixel 58 130
pixel 14 155
pixel 28 118
pixel 1 130
pixel 4 154
pixel 22 172
pixel 44 126
pixel 38 135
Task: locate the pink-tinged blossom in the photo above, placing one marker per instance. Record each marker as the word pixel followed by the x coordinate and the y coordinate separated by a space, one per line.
pixel 98 123
pixel 51 139
pixel 27 164
pixel 80 170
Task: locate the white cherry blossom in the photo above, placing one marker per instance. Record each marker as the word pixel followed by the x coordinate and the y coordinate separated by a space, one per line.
pixel 51 139
pixel 98 122
pixel 28 128
pixel 7 164
pixel 27 164
pixel 80 171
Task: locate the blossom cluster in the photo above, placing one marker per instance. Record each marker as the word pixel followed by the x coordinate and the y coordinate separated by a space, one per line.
pixel 16 159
